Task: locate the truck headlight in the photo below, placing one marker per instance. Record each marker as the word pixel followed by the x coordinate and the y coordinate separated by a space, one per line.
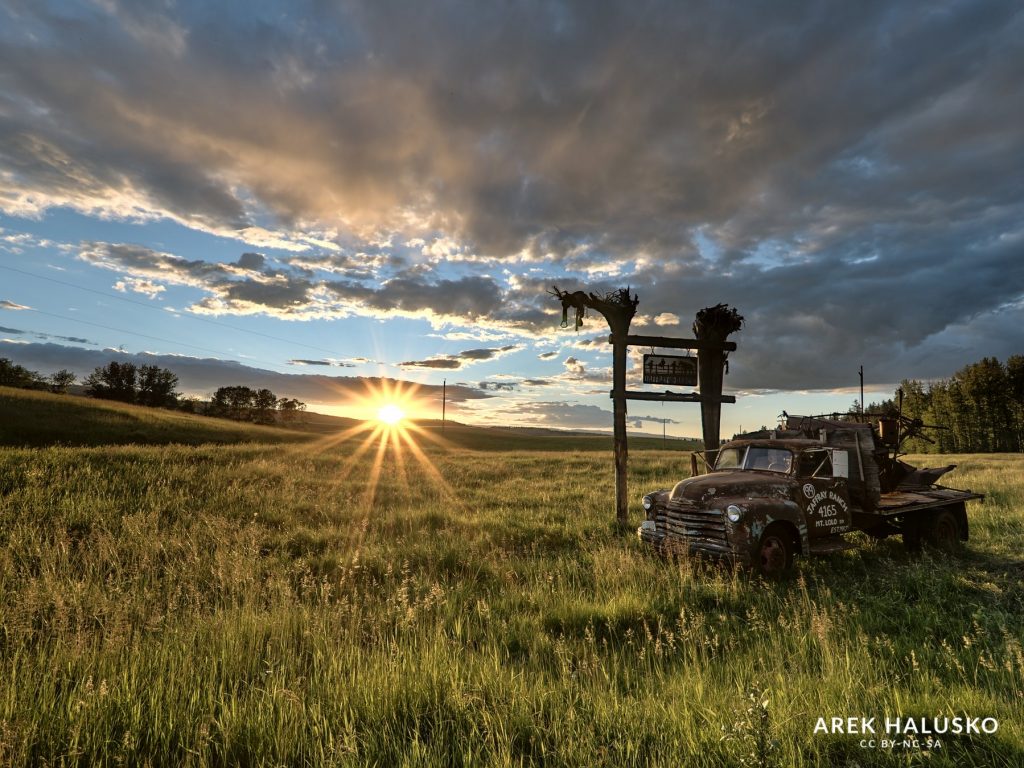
pixel 647 502
pixel 734 513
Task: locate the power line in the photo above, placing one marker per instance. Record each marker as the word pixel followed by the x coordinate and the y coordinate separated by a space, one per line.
pixel 160 309
pixel 222 355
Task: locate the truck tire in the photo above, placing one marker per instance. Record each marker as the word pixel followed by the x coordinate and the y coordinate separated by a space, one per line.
pixel 912 535
pixel 942 531
pixel 774 555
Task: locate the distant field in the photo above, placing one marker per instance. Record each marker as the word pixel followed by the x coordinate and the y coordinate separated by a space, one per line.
pixel 349 603
pixel 30 418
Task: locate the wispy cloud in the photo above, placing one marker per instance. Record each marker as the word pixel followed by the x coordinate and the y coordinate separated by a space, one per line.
pixel 327 363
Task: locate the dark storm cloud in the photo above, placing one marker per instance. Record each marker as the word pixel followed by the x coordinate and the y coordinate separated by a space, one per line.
pixel 848 175
pixel 204 375
pixel 441 363
pixel 462 359
pixel 252 261
pixel 467 297
pixel 520 125
pixel 249 285
pixel 810 325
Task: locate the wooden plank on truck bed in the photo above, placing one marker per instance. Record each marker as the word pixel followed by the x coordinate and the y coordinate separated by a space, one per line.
pixel 900 502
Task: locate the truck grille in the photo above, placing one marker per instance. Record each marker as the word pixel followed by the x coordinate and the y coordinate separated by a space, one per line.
pixel 685 520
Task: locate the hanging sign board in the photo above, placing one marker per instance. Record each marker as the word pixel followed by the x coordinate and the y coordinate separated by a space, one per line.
pixel 670 369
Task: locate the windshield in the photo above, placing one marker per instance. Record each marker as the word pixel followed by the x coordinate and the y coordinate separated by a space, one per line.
pixel 730 458
pixel 756 457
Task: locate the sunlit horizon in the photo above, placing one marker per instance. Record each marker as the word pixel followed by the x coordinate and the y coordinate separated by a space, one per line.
pixel 390 414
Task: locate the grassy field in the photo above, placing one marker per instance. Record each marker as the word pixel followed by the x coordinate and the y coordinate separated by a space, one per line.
pixel 351 602
pixel 30 418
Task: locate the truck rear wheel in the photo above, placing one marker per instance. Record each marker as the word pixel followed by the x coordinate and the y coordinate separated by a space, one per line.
pixel 943 532
pixel 774 555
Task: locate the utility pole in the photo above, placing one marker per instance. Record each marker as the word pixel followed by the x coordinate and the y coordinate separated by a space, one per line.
pixel 862 390
pixel 444 401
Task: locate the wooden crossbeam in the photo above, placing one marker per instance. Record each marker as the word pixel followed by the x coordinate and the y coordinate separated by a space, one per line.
pixel 664 341
pixel 675 397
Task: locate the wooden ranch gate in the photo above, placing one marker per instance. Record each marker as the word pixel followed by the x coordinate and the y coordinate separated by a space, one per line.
pixel 711 327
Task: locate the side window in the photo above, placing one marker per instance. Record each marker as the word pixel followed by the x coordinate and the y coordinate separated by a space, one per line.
pixel 815 463
pixel 825 470
pixel 840 463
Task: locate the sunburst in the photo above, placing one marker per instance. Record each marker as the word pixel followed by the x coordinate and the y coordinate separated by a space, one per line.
pixel 389 435
pixel 390 414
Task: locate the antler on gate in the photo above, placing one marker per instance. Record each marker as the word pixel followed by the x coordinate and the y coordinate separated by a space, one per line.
pixel 577 300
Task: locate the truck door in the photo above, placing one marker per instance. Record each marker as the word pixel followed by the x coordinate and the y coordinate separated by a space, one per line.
pixel 824 495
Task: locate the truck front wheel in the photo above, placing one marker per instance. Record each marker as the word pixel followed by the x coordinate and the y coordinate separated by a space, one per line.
pixel 774 555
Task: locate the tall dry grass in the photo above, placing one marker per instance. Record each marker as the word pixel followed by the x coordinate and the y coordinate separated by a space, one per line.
pixel 264 605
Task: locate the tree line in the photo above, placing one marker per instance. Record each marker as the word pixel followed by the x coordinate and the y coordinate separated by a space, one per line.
pixel 156 387
pixel 13 375
pixel 980 408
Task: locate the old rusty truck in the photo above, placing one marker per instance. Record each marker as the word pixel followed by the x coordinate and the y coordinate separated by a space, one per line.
pixel 764 497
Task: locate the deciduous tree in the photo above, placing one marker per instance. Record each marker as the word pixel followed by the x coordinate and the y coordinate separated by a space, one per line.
pixel 113 381
pixel 61 380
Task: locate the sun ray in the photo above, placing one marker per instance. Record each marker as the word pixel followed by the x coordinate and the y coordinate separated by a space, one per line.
pixel 399 455
pixel 357 533
pixel 432 472
pixel 431 435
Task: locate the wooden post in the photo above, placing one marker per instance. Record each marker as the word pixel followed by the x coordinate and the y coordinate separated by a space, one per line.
pixel 618 308
pixel 710 370
pixel 619 425
pixel 711 327
pixel 713 324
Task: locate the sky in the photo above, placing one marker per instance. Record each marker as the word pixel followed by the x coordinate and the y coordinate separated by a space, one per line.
pixel 316 195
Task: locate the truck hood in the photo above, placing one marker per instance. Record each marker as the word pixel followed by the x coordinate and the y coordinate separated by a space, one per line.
pixel 733 483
